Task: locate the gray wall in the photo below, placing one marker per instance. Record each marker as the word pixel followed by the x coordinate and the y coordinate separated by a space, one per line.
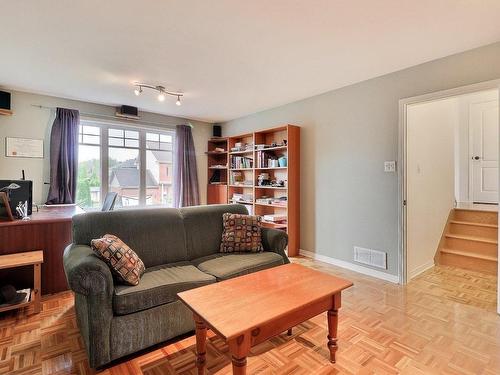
pixel 347 134
pixel 32 122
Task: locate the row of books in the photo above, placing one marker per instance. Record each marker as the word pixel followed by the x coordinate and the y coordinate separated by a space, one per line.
pixel 239 162
pixel 266 160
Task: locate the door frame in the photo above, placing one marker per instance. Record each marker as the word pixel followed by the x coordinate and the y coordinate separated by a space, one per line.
pixel 402 161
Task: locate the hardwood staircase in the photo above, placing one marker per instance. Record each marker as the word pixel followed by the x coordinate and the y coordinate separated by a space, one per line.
pixel 470 241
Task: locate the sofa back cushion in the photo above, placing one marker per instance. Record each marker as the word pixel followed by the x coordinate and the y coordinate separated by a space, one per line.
pixel 156 234
pixel 203 225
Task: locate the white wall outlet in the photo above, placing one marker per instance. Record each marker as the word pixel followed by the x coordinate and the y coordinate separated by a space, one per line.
pixel 390 166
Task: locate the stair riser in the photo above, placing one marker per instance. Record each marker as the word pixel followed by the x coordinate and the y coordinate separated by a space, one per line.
pixel 474 230
pixel 484 217
pixel 474 264
pixel 474 247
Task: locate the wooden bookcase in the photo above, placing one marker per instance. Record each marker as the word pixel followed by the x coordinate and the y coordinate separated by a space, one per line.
pixel 217 170
pixel 247 157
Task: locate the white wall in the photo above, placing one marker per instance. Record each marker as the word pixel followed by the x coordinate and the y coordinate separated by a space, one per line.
pixel 32 122
pixel 347 134
pixel 431 131
pixel 463 155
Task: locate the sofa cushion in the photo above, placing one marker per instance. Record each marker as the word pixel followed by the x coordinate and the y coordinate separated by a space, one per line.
pixel 159 285
pixel 156 234
pixel 203 225
pixel 225 266
pixel 241 233
pixel 124 263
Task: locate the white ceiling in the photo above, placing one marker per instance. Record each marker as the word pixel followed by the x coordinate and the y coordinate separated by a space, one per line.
pixel 230 57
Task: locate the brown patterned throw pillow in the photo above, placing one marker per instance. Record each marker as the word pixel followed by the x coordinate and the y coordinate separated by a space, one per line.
pixel 241 233
pixel 124 263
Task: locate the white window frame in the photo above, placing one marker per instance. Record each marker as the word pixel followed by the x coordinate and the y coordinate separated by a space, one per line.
pixel 104 127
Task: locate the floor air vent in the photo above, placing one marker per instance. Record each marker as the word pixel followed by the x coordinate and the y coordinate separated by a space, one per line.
pixel 371 257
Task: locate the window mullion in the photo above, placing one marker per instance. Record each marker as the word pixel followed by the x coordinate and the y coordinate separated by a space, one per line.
pixel 142 167
pixel 104 162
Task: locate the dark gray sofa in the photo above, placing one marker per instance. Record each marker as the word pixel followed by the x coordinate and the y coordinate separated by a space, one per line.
pixel 180 250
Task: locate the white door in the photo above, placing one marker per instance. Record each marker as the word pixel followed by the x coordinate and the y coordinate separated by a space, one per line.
pixel 483 122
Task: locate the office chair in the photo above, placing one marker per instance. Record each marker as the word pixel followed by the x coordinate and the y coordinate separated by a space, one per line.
pixel 109 201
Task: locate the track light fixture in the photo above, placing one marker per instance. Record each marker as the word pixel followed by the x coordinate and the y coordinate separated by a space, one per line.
pixel 161 90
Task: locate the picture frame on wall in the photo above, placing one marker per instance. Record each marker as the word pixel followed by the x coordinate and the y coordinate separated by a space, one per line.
pixel 24 148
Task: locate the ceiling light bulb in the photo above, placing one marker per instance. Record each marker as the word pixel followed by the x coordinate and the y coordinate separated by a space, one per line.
pixel 138 91
pixel 161 97
pixel 178 102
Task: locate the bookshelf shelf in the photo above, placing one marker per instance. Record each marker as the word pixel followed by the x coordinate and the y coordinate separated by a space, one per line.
pixel 271 205
pixel 241 152
pixel 241 202
pixel 270 224
pixel 271 168
pixel 272 187
pixel 277 148
pixel 224 191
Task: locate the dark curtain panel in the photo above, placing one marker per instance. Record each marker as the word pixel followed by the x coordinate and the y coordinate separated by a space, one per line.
pixel 64 157
pixel 185 175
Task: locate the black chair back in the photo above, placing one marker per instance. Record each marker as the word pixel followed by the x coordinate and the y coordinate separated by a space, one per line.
pixel 109 201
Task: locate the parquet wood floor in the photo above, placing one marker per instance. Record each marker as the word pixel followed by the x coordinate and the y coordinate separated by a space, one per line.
pixel 443 322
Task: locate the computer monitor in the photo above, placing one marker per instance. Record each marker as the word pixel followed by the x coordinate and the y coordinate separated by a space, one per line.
pixel 22 194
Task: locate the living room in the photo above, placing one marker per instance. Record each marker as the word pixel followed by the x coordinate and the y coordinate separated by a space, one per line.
pixel 194 187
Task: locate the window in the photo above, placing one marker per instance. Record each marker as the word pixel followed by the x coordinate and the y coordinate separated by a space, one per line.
pixel 159 161
pixel 88 193
pixel 137 164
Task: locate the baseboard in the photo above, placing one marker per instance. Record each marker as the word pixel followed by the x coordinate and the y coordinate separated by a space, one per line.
pixel 351 266
pixel 417 271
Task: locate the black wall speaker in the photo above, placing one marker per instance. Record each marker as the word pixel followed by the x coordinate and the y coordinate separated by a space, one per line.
pixel 5 100
pixel 217 131
pixel 22 194
pixel 129 110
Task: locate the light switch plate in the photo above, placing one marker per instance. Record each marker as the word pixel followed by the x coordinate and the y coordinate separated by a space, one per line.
pixel 390 166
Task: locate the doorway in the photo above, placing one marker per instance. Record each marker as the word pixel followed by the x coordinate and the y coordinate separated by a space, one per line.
pixel 453 161
pixel 483 141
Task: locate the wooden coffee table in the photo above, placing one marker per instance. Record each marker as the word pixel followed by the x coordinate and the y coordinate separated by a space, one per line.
pixel 250 309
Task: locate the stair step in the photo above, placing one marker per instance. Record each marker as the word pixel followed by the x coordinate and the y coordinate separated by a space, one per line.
pixel 471 238
pixel 470 255
pixel 474 224
pixel 475 216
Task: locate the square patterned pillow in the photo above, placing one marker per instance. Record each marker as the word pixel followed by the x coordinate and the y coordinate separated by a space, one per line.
pixel 124 263
pixel 241 233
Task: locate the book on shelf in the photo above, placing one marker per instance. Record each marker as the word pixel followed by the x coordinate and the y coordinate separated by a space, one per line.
pixel 274 218
pixel 240 197
pixel 240 162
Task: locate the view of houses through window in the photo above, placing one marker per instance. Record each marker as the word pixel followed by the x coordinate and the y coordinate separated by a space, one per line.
pixel 119 151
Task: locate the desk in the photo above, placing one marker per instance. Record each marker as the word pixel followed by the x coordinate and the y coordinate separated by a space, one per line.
pixel 49 230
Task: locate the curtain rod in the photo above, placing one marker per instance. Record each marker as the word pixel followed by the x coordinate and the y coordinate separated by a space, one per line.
pixel 98 115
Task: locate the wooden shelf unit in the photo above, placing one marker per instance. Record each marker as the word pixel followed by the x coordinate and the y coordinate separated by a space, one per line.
pixel 30 258
pixel 217 170
pixel 290 173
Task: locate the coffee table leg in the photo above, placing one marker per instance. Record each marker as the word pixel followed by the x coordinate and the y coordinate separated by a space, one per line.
pixel 239 348
pixel 333 322
pixel 332 333
pixel 239 366
pixel 201 344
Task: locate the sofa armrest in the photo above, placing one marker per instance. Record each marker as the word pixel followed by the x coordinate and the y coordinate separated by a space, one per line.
pixel 275 240
pixel 86 273
pixel 91 280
